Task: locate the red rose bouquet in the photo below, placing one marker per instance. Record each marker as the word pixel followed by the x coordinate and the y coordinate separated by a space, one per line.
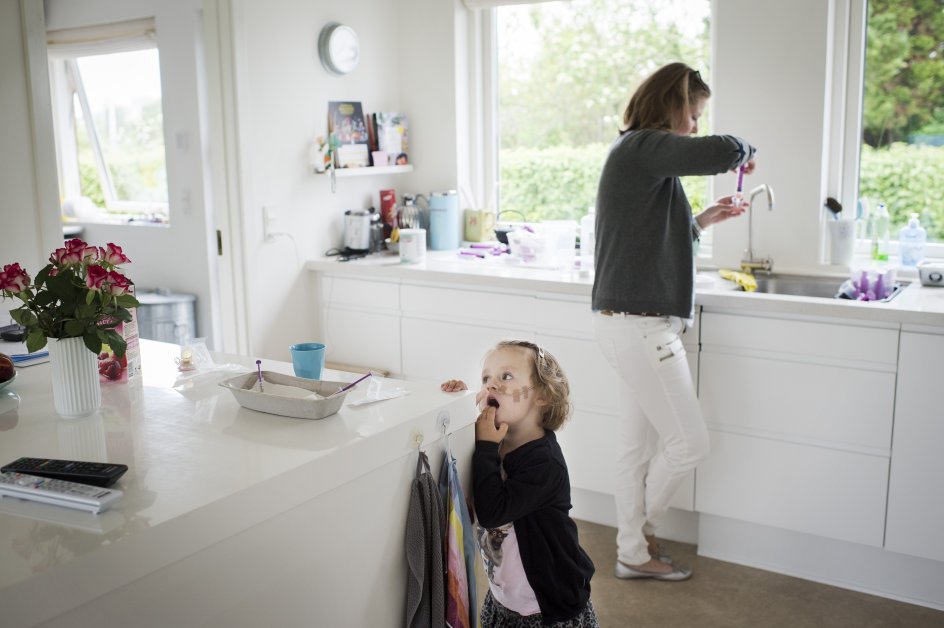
pixel 79 294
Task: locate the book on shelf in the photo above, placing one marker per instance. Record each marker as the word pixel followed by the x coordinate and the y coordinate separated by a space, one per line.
pixel 392 131
pixel 347 128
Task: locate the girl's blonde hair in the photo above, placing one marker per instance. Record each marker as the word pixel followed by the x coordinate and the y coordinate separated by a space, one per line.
pixel 550 383
pixel 663 99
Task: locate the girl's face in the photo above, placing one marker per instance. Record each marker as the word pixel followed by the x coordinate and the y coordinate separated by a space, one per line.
pixel 688 125
pixel 507 385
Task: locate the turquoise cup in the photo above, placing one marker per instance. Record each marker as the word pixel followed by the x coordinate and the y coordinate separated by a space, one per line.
pixel 308 359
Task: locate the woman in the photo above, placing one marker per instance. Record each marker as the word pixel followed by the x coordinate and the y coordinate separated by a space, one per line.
pixel 643 294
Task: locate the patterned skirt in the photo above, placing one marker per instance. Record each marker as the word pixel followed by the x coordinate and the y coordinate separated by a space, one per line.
pixel 494 615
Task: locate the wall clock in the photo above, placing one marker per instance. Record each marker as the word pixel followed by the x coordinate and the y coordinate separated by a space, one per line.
pixel 338 48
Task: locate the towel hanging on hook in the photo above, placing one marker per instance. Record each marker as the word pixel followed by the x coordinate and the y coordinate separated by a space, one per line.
pixel 425 523
pixel 460 553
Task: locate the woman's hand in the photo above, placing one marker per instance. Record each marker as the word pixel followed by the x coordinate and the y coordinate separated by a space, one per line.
pixel 485 428
pixel 723 209
pixel 748 167
pixel 453 385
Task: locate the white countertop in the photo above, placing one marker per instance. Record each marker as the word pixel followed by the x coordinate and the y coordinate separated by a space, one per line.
pixel 916 305
pixel 202 468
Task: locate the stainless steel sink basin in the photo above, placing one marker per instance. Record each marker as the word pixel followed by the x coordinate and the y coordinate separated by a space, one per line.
pixel 808 285
pixel 798 285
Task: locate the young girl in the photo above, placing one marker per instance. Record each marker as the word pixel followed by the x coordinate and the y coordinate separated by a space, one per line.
pixel 538 573
pixel 643 294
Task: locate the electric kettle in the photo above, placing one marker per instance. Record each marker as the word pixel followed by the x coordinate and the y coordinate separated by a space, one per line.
pixel 357 231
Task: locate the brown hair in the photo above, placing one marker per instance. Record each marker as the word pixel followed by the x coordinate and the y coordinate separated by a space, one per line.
pixel 664 98
pixel 550 383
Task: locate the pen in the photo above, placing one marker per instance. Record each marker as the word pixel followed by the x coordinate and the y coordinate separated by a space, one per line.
pixel 259 368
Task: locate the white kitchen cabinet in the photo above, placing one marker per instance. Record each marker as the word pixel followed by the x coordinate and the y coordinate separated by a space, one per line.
pixel 915 514
pixel 361 322
pixel 446 332
pixel 800 415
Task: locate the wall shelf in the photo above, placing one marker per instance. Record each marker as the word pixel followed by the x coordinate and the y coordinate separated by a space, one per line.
pixel 370 170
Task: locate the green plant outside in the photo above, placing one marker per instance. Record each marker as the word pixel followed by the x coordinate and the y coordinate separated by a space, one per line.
pixel 907 178
pixel 560 183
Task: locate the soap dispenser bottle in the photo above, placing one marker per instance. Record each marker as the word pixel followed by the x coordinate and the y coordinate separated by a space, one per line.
pixel 911 240
pixel 880 232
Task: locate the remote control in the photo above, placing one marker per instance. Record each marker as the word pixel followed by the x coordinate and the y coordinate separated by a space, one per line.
pixel 58 492
pixel 94 473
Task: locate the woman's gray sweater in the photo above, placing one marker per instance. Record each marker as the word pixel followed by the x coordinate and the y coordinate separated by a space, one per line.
pixel 644 224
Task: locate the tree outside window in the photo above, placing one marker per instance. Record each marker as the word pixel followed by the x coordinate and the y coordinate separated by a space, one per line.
pixel 902 163
pixel 566 72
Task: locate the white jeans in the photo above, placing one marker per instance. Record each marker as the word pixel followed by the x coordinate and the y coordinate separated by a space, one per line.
pixel 657 400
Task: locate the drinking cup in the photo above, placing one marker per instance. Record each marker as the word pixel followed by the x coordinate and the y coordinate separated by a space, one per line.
pixel 308 359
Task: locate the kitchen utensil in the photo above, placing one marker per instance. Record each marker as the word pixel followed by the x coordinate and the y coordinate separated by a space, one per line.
pixel 502 230
pixel 244 388
pixel 357 230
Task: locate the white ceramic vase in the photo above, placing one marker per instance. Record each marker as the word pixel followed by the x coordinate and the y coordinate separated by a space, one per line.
pixel 75 386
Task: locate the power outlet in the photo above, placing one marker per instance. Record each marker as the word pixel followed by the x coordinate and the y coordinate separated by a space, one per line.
pixel 269 218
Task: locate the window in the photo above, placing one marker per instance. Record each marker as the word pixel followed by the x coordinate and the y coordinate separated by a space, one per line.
pixel 108 123
pixel 902 141
pixel 566 71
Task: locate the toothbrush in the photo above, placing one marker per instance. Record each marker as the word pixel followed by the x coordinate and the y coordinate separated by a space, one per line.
pixel 259 369
pixel 739 196
pixel 350 386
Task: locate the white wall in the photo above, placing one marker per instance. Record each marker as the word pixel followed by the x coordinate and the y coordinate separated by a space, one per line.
pixel 180 257
pixel 407 64
pixel 21 232
pixel 769 72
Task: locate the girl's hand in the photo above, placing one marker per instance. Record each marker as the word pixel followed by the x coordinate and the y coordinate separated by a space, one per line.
pixel 453 385
pixel 723 209
pixel 485 428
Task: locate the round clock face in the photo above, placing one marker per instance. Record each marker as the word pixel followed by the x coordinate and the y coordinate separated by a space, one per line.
pixel 339 48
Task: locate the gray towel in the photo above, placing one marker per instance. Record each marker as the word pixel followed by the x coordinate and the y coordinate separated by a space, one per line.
pixel 425 529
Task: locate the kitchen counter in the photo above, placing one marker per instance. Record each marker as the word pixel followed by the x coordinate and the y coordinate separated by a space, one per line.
pixel 226 511
pixel 916 305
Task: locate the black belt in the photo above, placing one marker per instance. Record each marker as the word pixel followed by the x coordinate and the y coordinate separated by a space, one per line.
pixel 612 313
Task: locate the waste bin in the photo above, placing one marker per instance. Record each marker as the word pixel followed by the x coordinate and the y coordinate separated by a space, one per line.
pixel 166 316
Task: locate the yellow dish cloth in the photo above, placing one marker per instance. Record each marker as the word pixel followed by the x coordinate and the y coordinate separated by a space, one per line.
pixel 746 280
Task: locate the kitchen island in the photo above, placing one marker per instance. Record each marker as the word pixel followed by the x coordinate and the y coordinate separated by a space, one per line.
pixel 823 413
pixel 230 517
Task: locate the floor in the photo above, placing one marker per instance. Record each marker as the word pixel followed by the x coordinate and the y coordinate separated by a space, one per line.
pixel 725 595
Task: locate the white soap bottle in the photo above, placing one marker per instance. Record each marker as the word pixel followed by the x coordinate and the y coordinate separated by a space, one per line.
pixel 588 242
pixel 911 240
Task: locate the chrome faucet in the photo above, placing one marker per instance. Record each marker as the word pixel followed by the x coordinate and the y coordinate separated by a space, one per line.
pixel 750 263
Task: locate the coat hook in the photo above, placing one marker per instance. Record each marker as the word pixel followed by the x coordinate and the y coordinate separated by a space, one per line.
pixel 443 421
pixel 417 437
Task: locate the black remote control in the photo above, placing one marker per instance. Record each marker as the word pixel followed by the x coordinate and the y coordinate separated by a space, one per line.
pixel 94 473
pixel 13 333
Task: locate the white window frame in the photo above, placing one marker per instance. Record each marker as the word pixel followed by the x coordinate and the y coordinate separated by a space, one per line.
pixel 64 47
pixel 845 129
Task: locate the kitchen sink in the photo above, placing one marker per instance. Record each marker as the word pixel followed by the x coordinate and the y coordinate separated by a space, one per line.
pixel 808 285
pixel 798 285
